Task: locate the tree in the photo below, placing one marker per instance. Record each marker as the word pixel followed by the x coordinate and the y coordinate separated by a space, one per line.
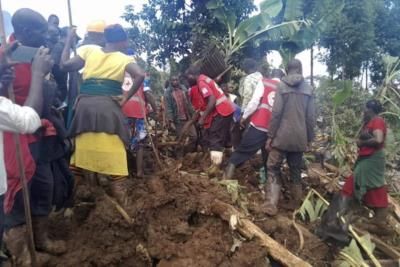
pixel 177 28
pixel 350 38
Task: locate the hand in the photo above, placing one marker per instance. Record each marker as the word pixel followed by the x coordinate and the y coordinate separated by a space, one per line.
pixel 268 144
pixel 71 37
pixel 243 123
pixel 6 79
pixel 120 99
pixel 154 115
pixel 308 147
pixel 359 143
pixel 42 62
pixel 201 121
pixel 171 125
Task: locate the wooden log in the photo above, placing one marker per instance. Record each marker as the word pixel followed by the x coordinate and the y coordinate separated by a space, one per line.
pixel 396 207
pixel 166 144
pixel 249 230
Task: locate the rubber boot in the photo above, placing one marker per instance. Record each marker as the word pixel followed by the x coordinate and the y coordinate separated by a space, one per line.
pixel 332 227
pixel 139 162
pixel 379 224
pixel 17 245
pixel 216 160
pixel 297 193
pixel 272 195
pixel 42 241
pixel 229 171
pixel 119 191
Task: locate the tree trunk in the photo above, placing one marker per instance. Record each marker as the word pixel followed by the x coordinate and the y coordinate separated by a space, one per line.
pixel 249 230
pixel 312 65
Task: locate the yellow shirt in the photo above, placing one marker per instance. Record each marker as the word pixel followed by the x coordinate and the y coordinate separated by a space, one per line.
pixel 101 65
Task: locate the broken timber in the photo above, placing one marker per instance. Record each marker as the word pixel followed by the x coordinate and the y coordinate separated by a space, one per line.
pixel 249 230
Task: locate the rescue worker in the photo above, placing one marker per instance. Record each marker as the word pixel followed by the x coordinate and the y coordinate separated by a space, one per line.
pixel 290 132
pixel 259 111
pixel 215 113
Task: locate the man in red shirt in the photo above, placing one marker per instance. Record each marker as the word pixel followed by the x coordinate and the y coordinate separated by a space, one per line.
pixel 30 29
pixel 215 110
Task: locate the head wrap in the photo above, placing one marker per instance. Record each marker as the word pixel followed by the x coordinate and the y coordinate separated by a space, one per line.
pixel 96 26
pixel 375 106
pixel 115 33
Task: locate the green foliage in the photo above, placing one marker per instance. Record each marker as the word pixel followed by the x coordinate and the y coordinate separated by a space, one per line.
pixel 255 29
pixel 236 191
pixel 351 255
pixel 350 38
pixel 313 207
pixel 177 28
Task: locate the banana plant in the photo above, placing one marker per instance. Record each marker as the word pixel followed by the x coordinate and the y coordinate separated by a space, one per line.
pixel 256 28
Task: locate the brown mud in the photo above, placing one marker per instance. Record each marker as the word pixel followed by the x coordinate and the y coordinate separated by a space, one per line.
pixel 173 225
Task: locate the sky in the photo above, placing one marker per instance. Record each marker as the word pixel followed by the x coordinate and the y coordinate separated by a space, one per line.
pixel 85 11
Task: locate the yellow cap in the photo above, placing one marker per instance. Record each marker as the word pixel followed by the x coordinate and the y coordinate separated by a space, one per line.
pixel 96 26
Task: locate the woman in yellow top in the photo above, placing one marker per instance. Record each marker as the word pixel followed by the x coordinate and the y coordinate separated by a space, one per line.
pixel 98 123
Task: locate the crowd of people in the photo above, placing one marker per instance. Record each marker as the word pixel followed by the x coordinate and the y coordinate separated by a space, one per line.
pixel 85 113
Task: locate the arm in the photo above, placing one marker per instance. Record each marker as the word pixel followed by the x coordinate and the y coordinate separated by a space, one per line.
pixel 310 119
pixel 169 106
pixel 254 101
pixel 41 66
pixel 137 76
pixel 151 100
pixel 75 63
pixel 376 140
pixel 15 118
pixel 211 101
pixel 277 112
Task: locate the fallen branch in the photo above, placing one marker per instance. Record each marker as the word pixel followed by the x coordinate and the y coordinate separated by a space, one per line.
pixel 380 245
pixel 249 230
pixel 164 144
pixel 396 207
pixel 299 232
pixel 124 214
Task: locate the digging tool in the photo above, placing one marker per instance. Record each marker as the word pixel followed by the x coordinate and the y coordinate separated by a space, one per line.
pixel 70 21
pixel 153 146
pixel 21 167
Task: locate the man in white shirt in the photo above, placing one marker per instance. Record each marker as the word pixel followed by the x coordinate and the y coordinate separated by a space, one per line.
pixel 252 81
pixel 258 112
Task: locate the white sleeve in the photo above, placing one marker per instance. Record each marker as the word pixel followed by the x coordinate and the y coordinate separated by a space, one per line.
pixel 14 118
pixel 254 101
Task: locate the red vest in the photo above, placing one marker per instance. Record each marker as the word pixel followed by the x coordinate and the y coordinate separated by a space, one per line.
pixel 223 105
pixel 136 105
pixel 199 104
pixel 263 114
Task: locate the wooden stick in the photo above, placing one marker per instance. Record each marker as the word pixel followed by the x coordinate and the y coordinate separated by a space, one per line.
pixel 382 246
pixel 369 253
pixel 70 22
pixel 121 210
pixel 20 162
pixel 155 150
pixel 396 207
pixel 249 230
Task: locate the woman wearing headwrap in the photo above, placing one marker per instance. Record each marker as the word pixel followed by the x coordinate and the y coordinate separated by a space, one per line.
pixel 367 183
pixel 98 123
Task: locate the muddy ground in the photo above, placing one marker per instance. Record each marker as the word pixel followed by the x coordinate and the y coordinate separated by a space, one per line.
pixel 173 225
